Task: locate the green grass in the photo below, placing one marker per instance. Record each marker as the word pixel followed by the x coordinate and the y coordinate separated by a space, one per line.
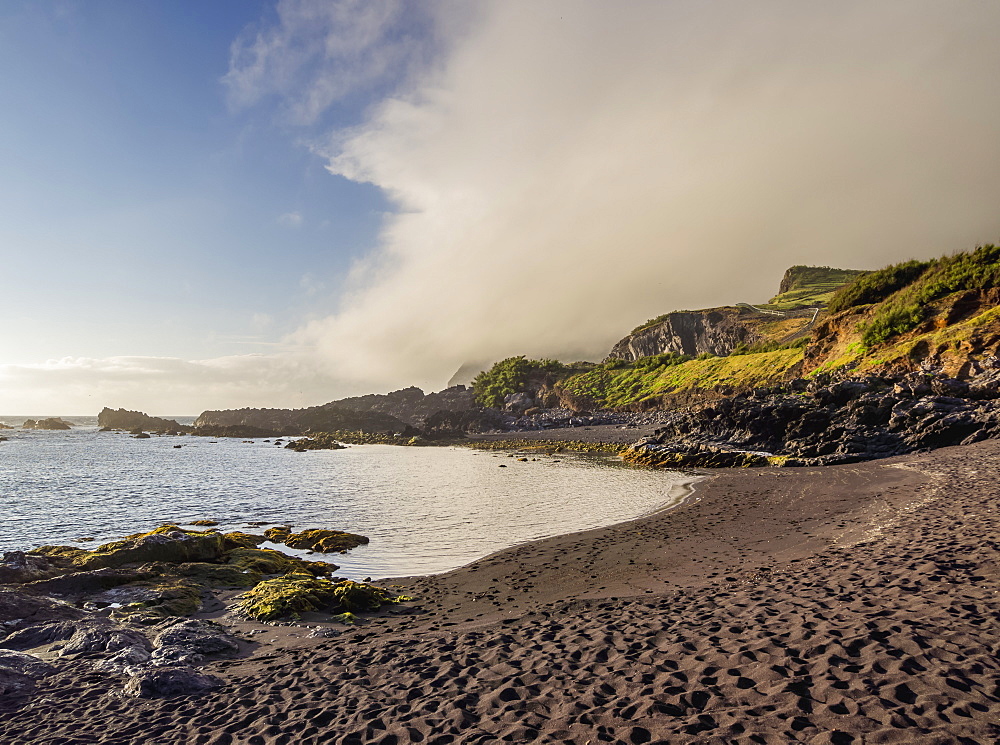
pixel 812 286
pixel 906 290
pixel 630 384
pixel 877 286
pixel 770 346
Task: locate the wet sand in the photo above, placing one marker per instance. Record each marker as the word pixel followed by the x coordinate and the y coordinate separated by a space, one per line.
pixel 852 604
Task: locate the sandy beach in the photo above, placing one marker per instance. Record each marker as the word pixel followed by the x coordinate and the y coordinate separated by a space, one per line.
pixel 851 604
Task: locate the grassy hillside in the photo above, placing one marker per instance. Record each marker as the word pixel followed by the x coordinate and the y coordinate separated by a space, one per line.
pixel 801 287
pixel 812 286
pixel 618 386
pixel 946 310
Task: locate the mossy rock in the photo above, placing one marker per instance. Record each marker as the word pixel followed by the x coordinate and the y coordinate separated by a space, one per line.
pixel 167 543
pixel 168 596
pixel 70 554
pixel 325 541
pixel 297 593
pixel 219 575
pixel 278 534
pixel 238 539
pixel 316 539
pixel 287 596
pixel 660 458
pixel 268 561
pixel 357 596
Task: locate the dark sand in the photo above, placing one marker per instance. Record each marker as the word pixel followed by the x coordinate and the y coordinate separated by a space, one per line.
pixel 852 604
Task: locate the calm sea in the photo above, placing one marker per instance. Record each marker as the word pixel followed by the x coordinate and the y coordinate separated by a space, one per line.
pixel 426 510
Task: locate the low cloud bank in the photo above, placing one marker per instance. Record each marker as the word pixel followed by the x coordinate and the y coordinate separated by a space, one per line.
pixel 565 170
pixel 162 385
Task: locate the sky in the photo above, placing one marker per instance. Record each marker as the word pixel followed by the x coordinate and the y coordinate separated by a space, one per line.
pixel 243 203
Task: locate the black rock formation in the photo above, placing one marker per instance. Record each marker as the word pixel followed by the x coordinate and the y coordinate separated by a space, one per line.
pixel 136 421
pixel 805 423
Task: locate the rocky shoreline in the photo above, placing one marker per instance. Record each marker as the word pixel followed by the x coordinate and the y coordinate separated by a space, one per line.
pixel 805 423
pixel 853 603
pixel 126 608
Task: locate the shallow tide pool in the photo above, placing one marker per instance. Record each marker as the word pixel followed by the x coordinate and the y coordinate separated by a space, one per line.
pixel 426 509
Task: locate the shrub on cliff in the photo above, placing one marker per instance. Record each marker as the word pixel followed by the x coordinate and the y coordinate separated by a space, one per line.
pixel 906 307
pixel 877 286
pixel 511 375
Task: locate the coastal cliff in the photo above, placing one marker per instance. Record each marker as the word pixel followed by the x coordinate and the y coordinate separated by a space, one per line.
pixel 803 292
pixel 939 317
pixel 403 412
pixel 717 331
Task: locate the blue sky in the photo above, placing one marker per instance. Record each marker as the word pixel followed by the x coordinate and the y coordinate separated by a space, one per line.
pixel 139 212
pixel 237 203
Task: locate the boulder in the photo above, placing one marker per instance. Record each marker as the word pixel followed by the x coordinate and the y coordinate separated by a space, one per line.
pixel 14 684
pixel 38 635
pixel 202 637
pixel 18 609
pixel 316 539
pixel 100 638
pixel 163 682
pixel 87 583
pixel 19 671
pixel 167 543
pixel 26 664
pixel 17 567
pixel 124 660
pixel 238 539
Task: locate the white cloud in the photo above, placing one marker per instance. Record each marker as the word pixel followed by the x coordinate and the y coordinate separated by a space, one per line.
pixel 565 170
pixel 570 169
pixel 319 51
pixel 262 321
pixel 310 284
pixel 291 219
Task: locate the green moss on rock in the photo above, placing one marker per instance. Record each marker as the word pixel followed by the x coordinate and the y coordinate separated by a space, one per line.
pixel 642 455
pixel 297 593
pixel 316 539
pixel 238 539
pixel 268 561
pixel 219 575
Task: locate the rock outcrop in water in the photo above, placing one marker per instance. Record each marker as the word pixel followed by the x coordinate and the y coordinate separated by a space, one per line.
pixel 137 421
pixel 316 539
pixel 54 423
pixel 284 422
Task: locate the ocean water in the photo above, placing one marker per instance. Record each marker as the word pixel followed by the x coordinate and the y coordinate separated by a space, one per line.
pixel 426 510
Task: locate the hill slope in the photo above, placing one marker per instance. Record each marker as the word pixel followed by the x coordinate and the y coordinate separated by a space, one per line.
pixel 804 290
pixel 941 314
